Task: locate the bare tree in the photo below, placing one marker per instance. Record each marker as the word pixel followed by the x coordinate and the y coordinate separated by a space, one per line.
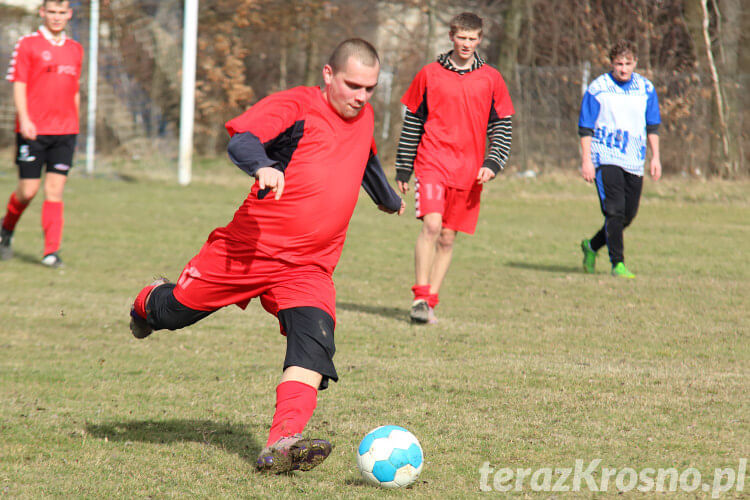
pixel 510 40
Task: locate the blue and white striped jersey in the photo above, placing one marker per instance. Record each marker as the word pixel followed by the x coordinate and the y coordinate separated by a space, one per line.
pixel 618 113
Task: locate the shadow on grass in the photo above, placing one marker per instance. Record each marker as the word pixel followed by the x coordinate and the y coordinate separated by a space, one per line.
pixel 554 268
pixel 233 438
pixel 28 258
pixel 386 312
pixel 357 480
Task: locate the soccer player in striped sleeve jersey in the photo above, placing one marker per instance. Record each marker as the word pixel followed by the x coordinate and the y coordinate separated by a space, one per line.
pixel 452 106
pixel 45 69
pixel 619 118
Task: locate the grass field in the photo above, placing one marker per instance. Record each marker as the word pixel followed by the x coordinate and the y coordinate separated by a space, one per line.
pixel 533 364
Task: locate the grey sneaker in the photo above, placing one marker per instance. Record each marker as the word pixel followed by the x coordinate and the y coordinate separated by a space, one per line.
pixel 420 311
pixel 139 327
pixel 6 237
pixel 52 260
pixel 431 318
pixel 293 453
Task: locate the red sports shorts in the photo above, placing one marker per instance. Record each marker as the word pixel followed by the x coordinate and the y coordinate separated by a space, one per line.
pixel 458 207
pixel 225 273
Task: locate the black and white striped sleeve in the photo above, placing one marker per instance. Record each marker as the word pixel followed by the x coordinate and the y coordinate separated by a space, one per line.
pixel 411 134
pixel 499 132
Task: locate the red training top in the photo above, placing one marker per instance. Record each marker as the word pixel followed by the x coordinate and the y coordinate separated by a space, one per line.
pixel 456 108
pixel 307 226
pixel 50 69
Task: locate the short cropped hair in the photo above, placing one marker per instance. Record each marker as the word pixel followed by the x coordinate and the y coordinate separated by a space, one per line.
pixel 466 21
pixel 621 48
pixel 353 47
pixel 45 2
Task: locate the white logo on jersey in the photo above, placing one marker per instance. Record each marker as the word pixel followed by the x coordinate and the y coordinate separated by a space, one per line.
pixel 187 277
pixel 23 153
pixel 47 55
pixel 66 69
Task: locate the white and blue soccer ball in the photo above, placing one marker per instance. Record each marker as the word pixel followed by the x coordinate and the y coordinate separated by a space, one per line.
pixel 390 456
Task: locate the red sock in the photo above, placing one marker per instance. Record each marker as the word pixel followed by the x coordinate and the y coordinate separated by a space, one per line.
pixel 13 212
pixel 295 403
pixel 52 224
pixel 432 300
pixel 140 300
pixel 421 291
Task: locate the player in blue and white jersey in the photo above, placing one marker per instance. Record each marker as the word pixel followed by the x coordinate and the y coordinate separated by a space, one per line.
pixel 619 119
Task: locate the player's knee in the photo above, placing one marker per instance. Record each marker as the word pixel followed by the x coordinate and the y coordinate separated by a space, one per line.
pixel 447 237
pixel 628 219
pixel 431 227
pixel 310 342
pixel 53 194
pixel 53 188
pixel 615 213
pixel 26 193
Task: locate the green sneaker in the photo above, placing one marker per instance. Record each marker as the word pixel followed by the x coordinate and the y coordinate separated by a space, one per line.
pixel 589 257
pixel 621 271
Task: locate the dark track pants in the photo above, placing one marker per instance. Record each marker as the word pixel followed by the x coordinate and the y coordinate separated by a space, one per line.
pixel 619 196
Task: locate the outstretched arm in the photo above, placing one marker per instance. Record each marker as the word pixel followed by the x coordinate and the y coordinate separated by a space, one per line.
pixel 376 185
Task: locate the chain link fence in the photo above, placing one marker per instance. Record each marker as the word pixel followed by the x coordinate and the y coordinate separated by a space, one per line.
pixel 140 44
pixel 548 102
pixel 139 86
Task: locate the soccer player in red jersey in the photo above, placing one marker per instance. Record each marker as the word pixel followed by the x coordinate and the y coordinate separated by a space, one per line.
pixel 45 69
pixel 452 106
pixel 310 150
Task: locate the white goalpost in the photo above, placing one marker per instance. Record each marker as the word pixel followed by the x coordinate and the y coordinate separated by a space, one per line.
pixel 93 78
pixel 187 101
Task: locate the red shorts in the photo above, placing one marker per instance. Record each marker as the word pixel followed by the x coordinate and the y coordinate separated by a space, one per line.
pixel 458 207
pixel 221 275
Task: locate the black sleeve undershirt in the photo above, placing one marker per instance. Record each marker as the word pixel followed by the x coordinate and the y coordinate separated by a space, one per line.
pixel 376 185
pixel 247 152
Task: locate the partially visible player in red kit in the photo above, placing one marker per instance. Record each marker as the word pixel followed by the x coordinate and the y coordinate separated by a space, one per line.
pixel 453 106
pixel 45 69
pixel 310 151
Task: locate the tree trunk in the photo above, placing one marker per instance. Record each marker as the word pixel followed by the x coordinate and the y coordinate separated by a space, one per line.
pixel 283 56
pixel 311 61
pixel 508 57
pixel 730 42
pixel 530 47
pixel 743 109
pixel 312 47
pixel 429 52
pixel 697 18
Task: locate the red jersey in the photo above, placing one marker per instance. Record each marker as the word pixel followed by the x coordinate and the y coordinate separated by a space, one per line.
pixel 51 70
pixel 456 108
pixel 327 156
